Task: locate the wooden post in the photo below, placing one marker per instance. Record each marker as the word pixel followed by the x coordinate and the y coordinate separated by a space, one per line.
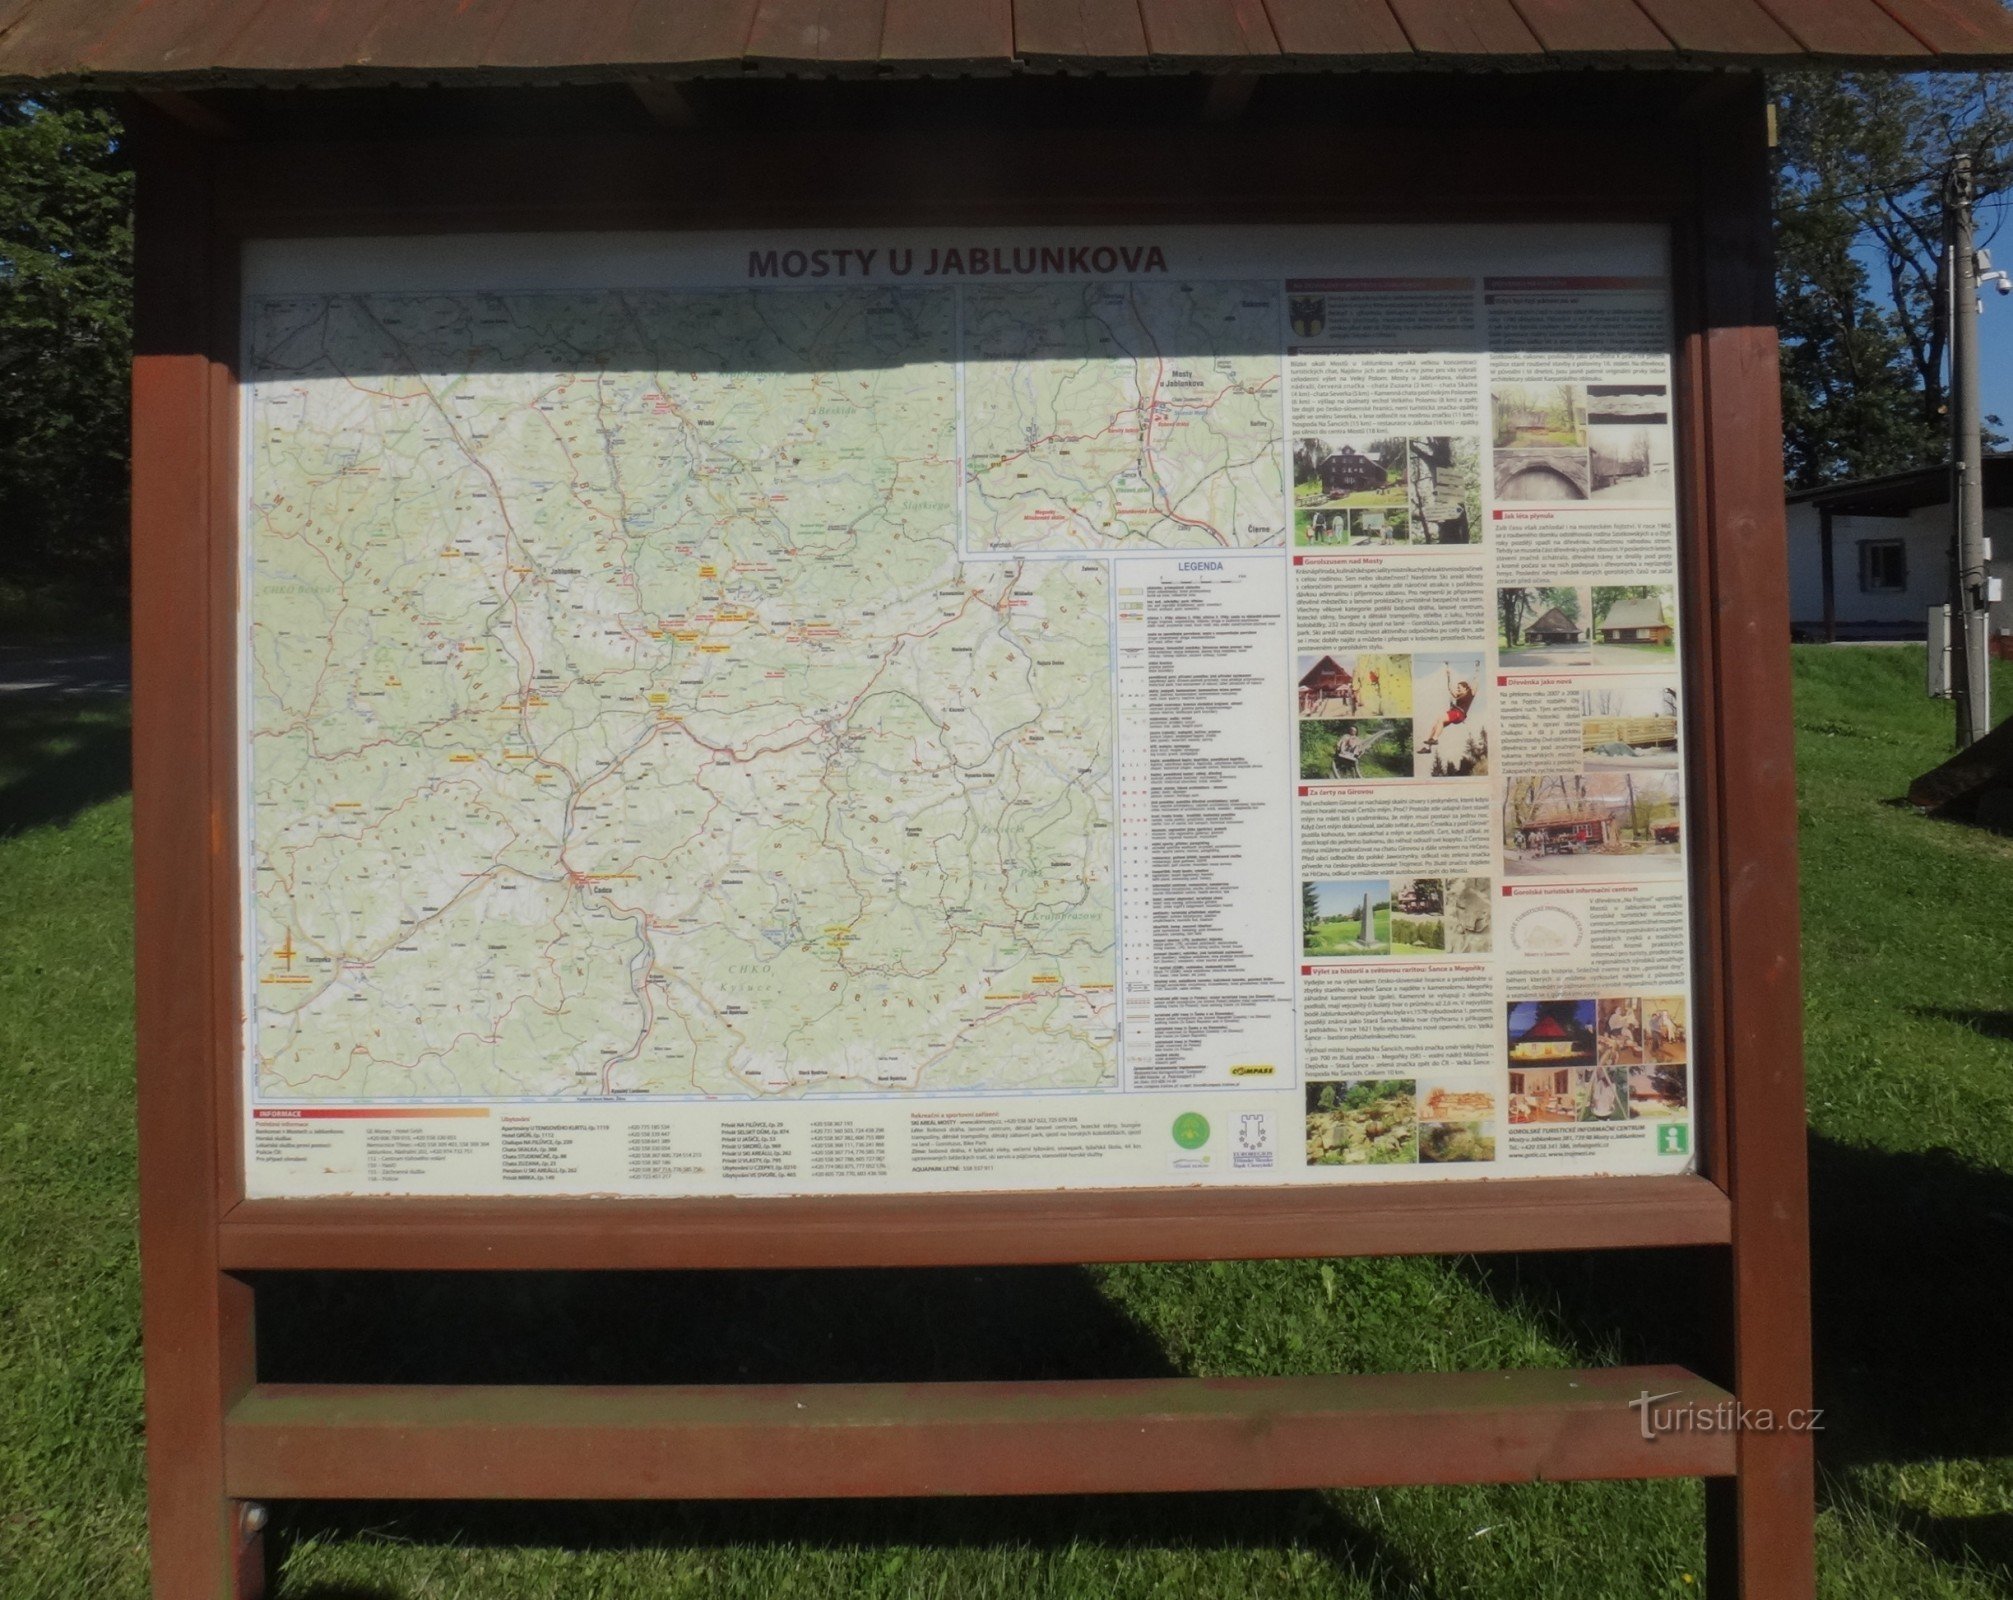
pixel 197 1320
pixel 1760 1522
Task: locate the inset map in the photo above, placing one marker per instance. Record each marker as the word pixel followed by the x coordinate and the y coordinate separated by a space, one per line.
pixel 1122 416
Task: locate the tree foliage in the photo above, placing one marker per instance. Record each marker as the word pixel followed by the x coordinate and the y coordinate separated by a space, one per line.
pixel 65 343
pixel 1859 242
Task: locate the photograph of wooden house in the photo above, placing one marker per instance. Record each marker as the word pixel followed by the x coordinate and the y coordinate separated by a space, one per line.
pixel 1359 470
pixel 1657 1091
pixel 1366 685
pixel 1629 724
pixel 1637 617
pixel 1555 627
pixel 1594 824
pixel 1577 625
pixel 1443 490
pixel 1544 627
pixel 1551 1033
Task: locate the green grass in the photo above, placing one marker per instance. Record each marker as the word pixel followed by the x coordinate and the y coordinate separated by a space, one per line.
pixel 1909 963
pixel 1337 936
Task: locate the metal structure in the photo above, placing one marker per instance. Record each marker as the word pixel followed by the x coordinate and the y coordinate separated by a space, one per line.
pixel 1969 591
pixel 226 155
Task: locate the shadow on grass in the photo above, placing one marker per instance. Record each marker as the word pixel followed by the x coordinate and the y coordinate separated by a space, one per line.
pixel 758 1327
pixel 1910 1304
pixel 1992 1024
pixel 59 758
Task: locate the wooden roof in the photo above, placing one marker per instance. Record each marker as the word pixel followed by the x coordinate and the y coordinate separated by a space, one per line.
pixel 193 43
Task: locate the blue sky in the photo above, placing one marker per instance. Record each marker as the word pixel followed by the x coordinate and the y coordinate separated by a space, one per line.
pixel 1995 345
pixel 1995 331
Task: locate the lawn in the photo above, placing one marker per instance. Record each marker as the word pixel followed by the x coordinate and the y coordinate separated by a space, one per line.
pixel 1340 936
pixel 1909 962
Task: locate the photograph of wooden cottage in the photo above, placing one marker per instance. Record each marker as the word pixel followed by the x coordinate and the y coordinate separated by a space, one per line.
pixel 1555 628
pixel 1348 471
pixel 1593 825
pixel 1324 685
pixel 1356 471
pixel 1369 685
pixel 1551 1033
pixel 1543 627
pixel 1638 620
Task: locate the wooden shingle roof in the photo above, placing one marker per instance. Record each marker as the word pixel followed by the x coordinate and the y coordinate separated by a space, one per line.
pixel 196 43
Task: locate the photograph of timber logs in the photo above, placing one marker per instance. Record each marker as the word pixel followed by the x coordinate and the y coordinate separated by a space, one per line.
pixel 314 1365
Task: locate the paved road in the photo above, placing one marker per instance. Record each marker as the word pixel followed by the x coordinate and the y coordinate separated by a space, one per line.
pixel 56 671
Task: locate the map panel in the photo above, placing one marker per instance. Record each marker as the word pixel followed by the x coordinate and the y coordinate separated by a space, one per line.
pixel 758 714
pixel 1123 416
pixel 623 721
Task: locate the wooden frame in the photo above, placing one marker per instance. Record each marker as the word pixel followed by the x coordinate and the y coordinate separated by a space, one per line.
pixel 1694 157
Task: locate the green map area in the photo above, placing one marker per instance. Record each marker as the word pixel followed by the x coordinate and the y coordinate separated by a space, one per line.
pixel 623 720
pixel 1123 415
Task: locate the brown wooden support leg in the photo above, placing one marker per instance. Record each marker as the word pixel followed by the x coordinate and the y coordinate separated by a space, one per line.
pixel 197 1319
pixel 1761 1540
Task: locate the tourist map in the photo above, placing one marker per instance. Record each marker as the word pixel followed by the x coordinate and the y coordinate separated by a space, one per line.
pixel 779 715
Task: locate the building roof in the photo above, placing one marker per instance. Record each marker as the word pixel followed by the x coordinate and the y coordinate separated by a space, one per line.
pixel 1559 816
pixel 1553 621
pixel 198 43
pixel 1551 1024
pixel 1646 612
pixel 1899 493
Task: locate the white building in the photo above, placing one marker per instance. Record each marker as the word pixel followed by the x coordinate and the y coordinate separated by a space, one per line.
pixel 1868 559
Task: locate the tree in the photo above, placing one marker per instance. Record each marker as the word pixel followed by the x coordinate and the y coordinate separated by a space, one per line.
pixel 1608 596
pixel 1859 246
pixel 65 343
pixel 1310 911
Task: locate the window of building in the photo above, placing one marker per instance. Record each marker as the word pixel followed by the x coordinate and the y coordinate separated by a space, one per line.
pixel 1883 564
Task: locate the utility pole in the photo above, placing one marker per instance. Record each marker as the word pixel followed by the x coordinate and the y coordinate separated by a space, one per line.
pixel 1971 665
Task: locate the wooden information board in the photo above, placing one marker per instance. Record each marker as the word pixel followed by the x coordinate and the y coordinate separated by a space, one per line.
pixel 686 717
